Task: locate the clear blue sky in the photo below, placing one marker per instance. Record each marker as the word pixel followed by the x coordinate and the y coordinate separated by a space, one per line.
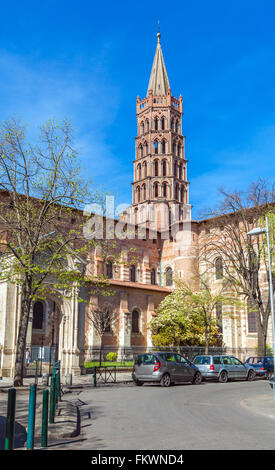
pixel 89 60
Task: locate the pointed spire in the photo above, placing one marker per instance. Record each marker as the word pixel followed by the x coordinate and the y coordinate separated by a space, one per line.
pixel 158 82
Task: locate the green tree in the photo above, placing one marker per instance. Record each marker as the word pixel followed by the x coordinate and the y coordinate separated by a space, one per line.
pixel 244 258
pixel 41 224
pixel 188 318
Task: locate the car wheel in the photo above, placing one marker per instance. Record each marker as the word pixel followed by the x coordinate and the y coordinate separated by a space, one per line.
pixel 223 377
pixel 197 378
pixel 268 375
pixel 165 380
pixel 251 375
pixel 138 383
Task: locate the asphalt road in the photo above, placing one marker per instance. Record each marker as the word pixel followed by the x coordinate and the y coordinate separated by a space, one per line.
pixel 186 417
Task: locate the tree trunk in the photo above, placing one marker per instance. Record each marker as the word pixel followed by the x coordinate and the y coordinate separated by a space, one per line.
pixel 21 339
pixel 261 342
pixel 100 352
pixel 262 323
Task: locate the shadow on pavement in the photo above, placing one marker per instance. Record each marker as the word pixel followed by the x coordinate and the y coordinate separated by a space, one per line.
pixel 20 434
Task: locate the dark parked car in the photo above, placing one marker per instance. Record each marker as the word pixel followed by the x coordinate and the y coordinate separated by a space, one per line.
pixel 263 365
pixel 166 368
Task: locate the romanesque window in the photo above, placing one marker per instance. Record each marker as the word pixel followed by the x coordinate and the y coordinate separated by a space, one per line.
pixel 175 169
pixel 218 268
pixel 156 166
pixel 251 318
pixel 153 276
pixel 139 171
pixel 163 146
pixel 156 147
pixel 142 128
pixel 132 273
pixel 138 194
pixel 164 168
pixel 219 316
pixel 145 149
pixel 38 313
pixel 180 172
pixel 156 124
pixel 174 148
pixel 109 270
pixel 177 192
pixel 156 189
pixel 144 170
pixel 135 321
pixel 147 125
pixel 164 190
pixel 144 192
pixel 169 276
pixel 163 123
pixel 182 194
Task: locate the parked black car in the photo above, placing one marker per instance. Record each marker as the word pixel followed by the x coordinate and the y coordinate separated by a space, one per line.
pixel 263 365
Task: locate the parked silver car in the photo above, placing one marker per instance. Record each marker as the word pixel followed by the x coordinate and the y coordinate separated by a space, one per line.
pixel 223 368
pixel 165 368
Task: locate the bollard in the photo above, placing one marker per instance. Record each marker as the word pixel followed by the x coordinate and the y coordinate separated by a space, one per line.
pixel 9 438
pixel 94 376
pixel 52 399
pixel 44 432
pixel 115 374
pixel 31 420
pixel 57 389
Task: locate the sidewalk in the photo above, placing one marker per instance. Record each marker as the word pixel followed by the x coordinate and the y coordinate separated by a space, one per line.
pixel 67 420
pixel 121 377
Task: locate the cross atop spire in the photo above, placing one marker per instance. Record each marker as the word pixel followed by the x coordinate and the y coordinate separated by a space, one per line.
pixel 158 82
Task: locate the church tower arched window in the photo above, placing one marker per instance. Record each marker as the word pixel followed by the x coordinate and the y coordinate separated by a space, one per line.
pixel 156 147
pixel 156 168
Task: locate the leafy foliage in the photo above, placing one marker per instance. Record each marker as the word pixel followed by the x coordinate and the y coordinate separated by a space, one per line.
pixel 111 357
pixel 187 318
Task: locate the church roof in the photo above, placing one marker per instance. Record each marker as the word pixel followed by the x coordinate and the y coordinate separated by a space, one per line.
pixel 158 82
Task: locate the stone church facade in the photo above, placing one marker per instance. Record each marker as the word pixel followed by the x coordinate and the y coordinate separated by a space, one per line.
pixel 168 249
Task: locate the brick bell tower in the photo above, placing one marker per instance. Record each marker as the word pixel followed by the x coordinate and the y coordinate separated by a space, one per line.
pixel 160 168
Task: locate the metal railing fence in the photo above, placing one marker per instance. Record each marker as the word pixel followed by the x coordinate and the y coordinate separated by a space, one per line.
pixel 129 353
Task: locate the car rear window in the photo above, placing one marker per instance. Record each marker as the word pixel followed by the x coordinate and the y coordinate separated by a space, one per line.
pixel 146 359
pixel 217 360
pixel 202 360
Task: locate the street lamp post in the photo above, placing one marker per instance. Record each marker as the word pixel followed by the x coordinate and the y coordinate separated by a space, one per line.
pixel 259 231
